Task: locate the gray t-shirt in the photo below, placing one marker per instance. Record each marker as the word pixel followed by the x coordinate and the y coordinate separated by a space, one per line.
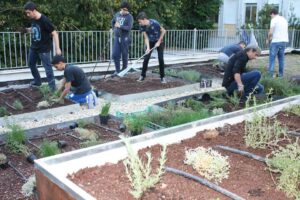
pixel 78 80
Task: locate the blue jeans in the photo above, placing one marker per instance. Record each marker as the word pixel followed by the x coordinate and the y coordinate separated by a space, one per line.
pixel 88 98
pixel 45 58
pixel 250 81
pixel 276 49
pixel 121 46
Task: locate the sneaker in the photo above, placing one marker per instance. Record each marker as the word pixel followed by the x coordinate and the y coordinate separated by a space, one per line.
pixel 115 74
pixel 141 79
pixel 33 83
pixel 163 80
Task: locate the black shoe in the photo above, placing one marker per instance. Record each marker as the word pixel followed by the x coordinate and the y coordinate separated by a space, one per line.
pixel 34 84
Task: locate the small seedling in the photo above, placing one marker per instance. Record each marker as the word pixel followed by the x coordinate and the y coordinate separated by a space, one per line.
pixel 46 91
pixel 28 187
pixel 135 124
pixel 3 111
pixel 105 109
pixel 18 104
pixel 15 138
pixel 48 149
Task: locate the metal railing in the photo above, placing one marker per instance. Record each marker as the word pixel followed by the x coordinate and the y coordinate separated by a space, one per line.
pixel 96 46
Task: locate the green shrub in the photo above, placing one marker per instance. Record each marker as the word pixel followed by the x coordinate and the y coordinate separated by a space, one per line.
pixel 295 109
pixel 208 163
pixel 286 161
pixel 105 109
pixel 190 75
pixel 82 123
pixel 3 111
pixel 194 105
pixel 48 149
pixel 46 91
pixel 15 139
pixel 139 173
pixel 280 86
pixel 135 124
pixel 18 104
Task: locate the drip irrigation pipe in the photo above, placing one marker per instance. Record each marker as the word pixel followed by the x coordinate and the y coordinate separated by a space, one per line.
pixel 10 106
pixel 243 153
pixel 34 145
pixel 18 171
pixel 67 133
pixel 23 95
pixel 108 129
pixel 205 182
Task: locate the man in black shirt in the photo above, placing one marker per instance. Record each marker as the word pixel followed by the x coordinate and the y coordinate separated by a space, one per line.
pixel 42 31
pixel 237 78
pixel 74 84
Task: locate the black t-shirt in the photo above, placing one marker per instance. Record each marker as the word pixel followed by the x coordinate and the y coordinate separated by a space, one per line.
pixel 236 64
pixel 78 80
pixel 41 38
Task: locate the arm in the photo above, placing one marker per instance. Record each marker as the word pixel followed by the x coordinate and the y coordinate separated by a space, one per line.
pixel 129 25
pixel 67 88
pixel 147 42
pixel 63 82
pixel 113 21
pixel 56 42
pixel 162 34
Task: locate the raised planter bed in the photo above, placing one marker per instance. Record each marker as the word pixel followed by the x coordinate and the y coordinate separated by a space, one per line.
pixel 54 171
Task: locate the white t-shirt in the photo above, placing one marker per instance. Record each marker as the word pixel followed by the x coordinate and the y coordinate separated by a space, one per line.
pixel 280 33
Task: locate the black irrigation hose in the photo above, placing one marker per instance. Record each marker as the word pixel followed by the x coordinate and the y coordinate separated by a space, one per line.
pixel 34 145
pixel 108 129
pixel 205 182
pixel 69 134
pixel 18 172
pixel 244 153
pixel 23 95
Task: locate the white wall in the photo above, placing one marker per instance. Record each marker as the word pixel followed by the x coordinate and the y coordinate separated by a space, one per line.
pixel 230 11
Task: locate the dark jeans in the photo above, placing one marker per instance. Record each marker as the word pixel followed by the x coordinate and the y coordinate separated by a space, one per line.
pixel 121 46
pixel 160 52
pixel 250 81
pixel 45 58
pixel 276 49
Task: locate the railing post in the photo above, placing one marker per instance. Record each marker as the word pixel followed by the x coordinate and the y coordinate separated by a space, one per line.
pixel 293 38
pixel 195 40
pixel 111 43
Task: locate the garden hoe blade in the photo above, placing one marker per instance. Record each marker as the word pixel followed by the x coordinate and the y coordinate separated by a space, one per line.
pixel 133 66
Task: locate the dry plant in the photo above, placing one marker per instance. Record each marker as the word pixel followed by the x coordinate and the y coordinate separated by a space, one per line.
pixel 139 173
pixel 28 187
pixel 208 163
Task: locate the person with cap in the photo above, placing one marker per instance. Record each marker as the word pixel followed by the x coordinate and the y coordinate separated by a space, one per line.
pixel 122 23
pixel 229 50
pixel 236 77
pixel 279 37
pixel 75 85
pixel 153 35
pixel 42 32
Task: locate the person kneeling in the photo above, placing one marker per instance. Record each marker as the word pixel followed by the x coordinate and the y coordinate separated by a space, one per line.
pixel 237 78
pixel 75 85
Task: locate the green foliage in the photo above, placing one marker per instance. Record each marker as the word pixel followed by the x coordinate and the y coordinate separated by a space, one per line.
pixel 190 75
pixel 48 149
pixel 208 163
pixel 105 109
pixel 82 123
pixel 235 99
pixel 18 104
pixel 264 18
pixel 87 134
pixel 262 132
pixel 194 105
pixel 3 111
pixel 217 102
pixel 140 174
pixel 286 161
pixel 295 109
pixel 280 86
pixel 135 124
pixel 15 139
pixel 46 91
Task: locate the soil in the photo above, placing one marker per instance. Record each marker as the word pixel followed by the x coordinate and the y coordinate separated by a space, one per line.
pixel 208 71
pixel 29 98
pixel 129 85
pixel 248 178
pixel 11 182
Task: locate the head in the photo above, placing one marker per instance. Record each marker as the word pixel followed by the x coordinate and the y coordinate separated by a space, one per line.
pixel 143 19
pixel 273 12
pixel 242 44
pixel 252 52
pixel 59 62
pixel 30 10
pixel 125 7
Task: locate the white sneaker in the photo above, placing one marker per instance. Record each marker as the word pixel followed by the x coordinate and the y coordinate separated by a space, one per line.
pixel 163 80
pixel 141 79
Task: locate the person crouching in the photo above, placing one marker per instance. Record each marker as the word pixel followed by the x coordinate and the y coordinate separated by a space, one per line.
pixel 75 85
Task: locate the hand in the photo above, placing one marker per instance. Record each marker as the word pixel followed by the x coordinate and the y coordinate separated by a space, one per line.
pixel 117 25
pixel 267 42
pixel 147 50
pixel 59 101
pixel 58 51
pixel 240 89
pixel 21 30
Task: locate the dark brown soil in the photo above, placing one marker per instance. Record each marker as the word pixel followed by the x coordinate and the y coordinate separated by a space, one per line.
pixel 7 98
pixel 248 178
pixel 207 71
pixel 129 84
pixel 11 183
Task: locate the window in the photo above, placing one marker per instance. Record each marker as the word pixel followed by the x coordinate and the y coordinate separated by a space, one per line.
pixel 251 9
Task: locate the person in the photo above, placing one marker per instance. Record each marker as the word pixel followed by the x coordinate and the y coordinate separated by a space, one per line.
pixel 122 24
pixel 153 35
pixel 229 50
pixel 278 35
pixel 42 31
pixel 75 85
pixel 237 78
